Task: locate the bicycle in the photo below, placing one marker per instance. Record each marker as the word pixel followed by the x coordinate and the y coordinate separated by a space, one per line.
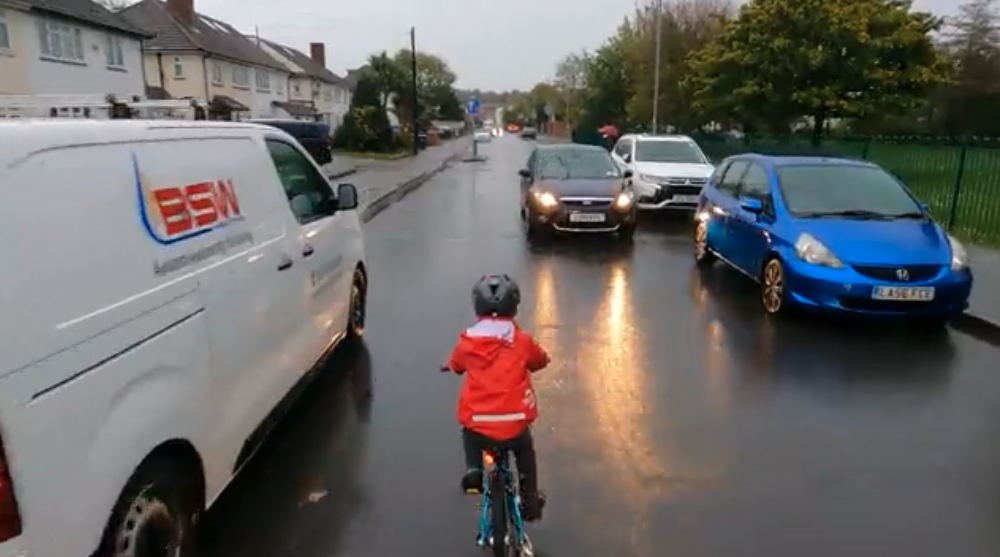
pixel 500 524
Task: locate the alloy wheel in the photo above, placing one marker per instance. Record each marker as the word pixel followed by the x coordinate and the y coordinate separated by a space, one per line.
pixel 149 530
pixel 773 287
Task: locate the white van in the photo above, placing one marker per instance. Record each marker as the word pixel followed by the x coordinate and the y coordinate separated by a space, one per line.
pixel 163 287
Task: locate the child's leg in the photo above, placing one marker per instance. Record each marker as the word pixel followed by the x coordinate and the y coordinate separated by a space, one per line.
pixel 527 465
pixel 471 446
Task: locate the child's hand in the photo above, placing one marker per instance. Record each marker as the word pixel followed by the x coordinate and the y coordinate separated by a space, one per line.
pixel 444 368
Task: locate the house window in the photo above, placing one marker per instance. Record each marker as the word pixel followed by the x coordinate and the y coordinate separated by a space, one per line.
pixel 241 77
pixel 327 94
pixel 60 41
pixel 263 80
pixel 279 87
pixel 114 54
pixel 178 67
pixel 217 76
pixel 297 88
pixel 4 31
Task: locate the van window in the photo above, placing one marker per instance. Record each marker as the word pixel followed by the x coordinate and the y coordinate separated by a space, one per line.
pixel 309 194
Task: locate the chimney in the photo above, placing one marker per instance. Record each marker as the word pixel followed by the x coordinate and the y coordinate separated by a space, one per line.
pixel 182 10
pixel 317 51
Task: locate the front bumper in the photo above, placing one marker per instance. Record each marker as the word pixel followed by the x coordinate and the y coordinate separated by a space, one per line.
pixel 561 217
pixel 850 290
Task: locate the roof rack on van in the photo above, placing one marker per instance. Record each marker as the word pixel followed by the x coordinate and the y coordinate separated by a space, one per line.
pixel 99 107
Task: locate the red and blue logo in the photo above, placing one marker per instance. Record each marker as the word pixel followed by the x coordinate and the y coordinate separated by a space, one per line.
pixel 177 213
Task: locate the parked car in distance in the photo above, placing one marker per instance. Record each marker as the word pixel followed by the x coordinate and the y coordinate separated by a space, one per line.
pixel 575 188
pixel 668 171
pixel 165 308
pixel 831 234
pixel 314 136
pixel 529 133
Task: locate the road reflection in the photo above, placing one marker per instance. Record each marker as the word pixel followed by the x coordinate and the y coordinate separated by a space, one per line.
pixel 303 487
pixel 819 351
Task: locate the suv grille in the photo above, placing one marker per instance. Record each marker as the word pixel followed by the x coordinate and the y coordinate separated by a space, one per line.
pixel 684 181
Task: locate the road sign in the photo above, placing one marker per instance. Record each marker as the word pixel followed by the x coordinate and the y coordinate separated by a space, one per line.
pixel 473 107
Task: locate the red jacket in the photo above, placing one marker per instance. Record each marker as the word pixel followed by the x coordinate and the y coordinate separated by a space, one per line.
pixel 497 359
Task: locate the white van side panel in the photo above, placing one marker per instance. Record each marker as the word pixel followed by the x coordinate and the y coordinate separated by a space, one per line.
pixel 117 340
pixel 72 448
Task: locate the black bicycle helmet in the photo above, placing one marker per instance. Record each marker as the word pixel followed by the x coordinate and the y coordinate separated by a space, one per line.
pixel 496 296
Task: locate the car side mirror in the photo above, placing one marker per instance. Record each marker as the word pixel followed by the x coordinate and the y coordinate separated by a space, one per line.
pixel 524 173
pixel 627 157
pixel 925 208
pixel 627 174
pixel 751 205
pixel 347 197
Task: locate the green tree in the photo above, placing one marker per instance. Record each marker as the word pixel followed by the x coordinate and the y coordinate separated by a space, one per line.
pixel 609 85
pixel 435 82
pixel 781 60
pixel 450 107
pixel 972 41
pixel 571 81
pixel 686 27
pixel 366 126
pixel 388 77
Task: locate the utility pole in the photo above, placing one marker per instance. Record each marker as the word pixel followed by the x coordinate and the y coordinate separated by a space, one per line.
pixel 656 71
pixel 413 84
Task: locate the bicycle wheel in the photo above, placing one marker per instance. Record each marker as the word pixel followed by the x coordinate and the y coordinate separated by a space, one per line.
pixel 498 512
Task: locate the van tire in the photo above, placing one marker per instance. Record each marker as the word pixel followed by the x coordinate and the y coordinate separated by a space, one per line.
pixel 159 505
pixel 357 307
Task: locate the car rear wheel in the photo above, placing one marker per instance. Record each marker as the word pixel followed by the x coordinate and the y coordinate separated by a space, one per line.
pixel 772 286
pixel 703 257
pixel 156 513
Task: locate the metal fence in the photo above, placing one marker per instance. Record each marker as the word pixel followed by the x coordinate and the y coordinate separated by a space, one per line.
pixel 959 182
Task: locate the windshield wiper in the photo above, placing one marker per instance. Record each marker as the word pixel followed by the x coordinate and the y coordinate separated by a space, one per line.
pixel 909 215
pixel 857 213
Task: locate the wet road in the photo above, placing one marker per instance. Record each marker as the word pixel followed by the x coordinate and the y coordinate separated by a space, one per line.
pixel 676 420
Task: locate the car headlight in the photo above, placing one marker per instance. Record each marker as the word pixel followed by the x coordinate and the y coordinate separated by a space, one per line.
pixel 959 256
pixel 624 200
pixel 546 199
pixel 811 251
pixel 650 179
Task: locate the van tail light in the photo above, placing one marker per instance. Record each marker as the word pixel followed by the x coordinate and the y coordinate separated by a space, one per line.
pixel 10 514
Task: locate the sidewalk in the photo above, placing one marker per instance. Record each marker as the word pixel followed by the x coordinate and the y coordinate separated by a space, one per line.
pixel 340 167
pixel 382 183
pixel 984 304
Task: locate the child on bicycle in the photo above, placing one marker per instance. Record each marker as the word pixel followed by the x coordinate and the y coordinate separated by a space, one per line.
pixel 497 403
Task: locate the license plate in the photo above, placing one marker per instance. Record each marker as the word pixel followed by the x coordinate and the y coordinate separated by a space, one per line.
pixel 904 293
pixel 686 198
pixel 587 217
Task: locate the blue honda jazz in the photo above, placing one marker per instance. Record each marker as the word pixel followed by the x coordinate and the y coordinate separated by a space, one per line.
pixel 829 233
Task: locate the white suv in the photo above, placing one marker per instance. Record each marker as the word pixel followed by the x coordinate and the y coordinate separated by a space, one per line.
pixel 668 170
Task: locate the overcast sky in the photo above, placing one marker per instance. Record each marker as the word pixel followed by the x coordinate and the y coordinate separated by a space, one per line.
pixel 511 44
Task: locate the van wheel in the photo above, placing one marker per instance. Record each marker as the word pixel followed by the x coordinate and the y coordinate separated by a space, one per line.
pixel 156 514
pixel 357 312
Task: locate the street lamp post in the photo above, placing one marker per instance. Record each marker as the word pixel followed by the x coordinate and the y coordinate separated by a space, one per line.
pixel 656 71
pixel 413 85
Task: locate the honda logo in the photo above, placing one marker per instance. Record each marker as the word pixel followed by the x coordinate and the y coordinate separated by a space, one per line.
pixel 902 274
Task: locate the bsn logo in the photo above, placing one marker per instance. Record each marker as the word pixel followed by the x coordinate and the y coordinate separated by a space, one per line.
pixel 174 214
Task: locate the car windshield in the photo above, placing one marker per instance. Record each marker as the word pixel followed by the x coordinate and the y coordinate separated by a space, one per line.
pixel 668 151
pixel 584 164
pixel 848 190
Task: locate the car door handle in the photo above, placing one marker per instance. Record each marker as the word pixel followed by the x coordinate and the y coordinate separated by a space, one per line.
pixel 285 264
pixel 307 251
